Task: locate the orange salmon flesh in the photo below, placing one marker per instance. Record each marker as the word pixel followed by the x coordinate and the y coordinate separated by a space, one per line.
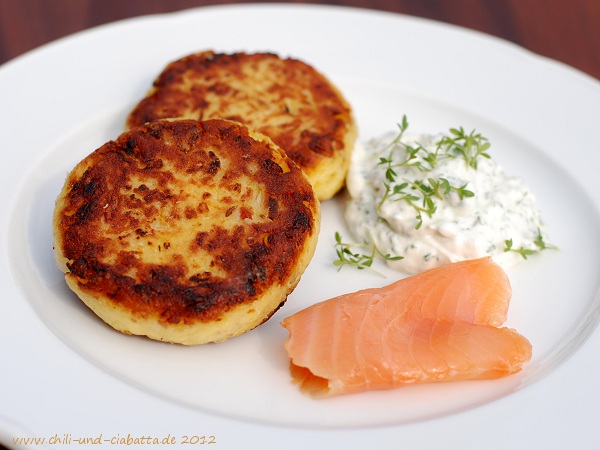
pixel 439 325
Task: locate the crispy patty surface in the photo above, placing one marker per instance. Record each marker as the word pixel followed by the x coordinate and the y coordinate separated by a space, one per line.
pixel 185 231
pixel 284 98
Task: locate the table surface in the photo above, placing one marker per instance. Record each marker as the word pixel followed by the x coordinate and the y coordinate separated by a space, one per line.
pixel 565 30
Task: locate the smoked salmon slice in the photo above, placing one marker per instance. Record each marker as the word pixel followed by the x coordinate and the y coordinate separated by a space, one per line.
pixel 440 325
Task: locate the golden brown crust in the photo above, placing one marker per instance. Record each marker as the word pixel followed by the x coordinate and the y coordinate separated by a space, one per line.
pixel 286 99
pixel 181 223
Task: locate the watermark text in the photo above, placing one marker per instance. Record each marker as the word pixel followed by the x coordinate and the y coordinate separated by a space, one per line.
pixel 118 439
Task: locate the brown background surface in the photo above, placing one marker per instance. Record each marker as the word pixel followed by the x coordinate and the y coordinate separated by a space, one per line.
pixel 564 30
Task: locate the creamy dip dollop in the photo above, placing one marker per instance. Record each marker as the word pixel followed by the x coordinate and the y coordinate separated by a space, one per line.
pixel 496 211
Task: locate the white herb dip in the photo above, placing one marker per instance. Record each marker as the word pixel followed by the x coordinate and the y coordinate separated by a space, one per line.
pixel 501 207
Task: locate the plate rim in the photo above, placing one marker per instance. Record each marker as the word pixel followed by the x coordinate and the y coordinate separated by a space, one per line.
pixel 31 56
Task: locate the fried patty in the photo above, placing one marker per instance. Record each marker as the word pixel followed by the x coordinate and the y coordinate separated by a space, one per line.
pixel 185 231
pixel 286 99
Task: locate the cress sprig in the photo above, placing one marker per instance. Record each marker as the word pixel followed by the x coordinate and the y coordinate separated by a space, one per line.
pixel 359 260
pixel 539 242
pixel 468 146
pixel 459 144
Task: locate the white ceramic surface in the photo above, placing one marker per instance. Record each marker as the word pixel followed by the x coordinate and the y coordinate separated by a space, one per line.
pixel 65 372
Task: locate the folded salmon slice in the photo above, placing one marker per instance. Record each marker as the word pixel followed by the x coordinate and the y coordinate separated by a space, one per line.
pixel 440 325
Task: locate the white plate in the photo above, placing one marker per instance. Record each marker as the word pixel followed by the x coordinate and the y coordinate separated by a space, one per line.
pixel 65 372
